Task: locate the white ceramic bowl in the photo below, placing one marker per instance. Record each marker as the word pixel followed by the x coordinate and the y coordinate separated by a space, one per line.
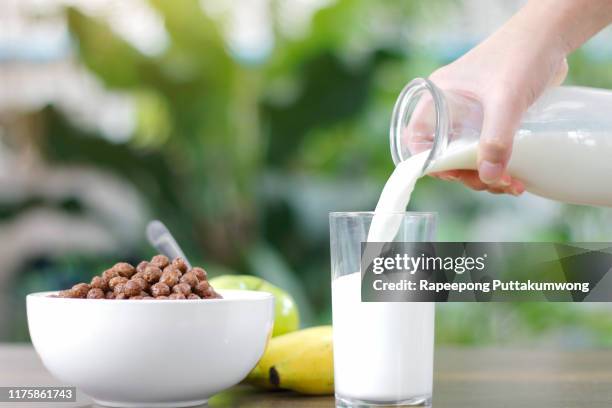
pixel 151 353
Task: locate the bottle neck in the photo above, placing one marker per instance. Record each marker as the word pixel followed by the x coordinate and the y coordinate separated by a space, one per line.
pixel 419 122
pixel 425 118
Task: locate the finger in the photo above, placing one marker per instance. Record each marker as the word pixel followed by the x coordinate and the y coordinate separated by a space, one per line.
pixel 516 188
pixel 470 179
pixel 462 174
pixel 504 182
pixel 502 116
pixel 418 135
pixel 438 174
pixel 449 175
pixel 493 190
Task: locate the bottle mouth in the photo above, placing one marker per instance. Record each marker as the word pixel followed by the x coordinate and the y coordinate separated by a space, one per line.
pixel 403 112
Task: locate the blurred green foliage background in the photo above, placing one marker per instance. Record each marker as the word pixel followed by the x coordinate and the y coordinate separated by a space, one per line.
pixel 242 150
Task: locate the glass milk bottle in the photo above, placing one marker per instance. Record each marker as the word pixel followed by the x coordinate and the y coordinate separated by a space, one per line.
pixel 562 150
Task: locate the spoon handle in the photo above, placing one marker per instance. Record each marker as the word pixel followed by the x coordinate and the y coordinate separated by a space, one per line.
pixel 161 239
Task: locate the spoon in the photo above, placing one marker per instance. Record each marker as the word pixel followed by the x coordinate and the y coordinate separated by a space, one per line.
pixel 161 239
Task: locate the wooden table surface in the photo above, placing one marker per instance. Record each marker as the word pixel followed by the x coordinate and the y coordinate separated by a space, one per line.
pixel 464 378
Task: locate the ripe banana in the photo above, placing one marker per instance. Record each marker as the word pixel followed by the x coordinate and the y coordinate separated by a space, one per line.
pixel 301 361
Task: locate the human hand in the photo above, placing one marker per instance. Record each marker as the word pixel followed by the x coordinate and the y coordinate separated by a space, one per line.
pixel 506 73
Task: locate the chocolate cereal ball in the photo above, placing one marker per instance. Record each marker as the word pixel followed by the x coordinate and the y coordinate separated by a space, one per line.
pixel 160 289
pixel 201 288
pixel 176 296
pixel 193 296
pixel 170 276
pixel 208 294
pixel 141 266
pixel 138 275
pixel 182 288
pixel 109 274
pixel 99 283
pixel 211 294
pixel 110 295
pixel 205 291
pixel 95 293
pixel 132 288
pixel 121 296
pixel 68 293
pixel 119 288
pixel 152 274
pixel 199 273
pixel 190 279
pixel 117 280
pixel 80 290
pixel 161 261
pixel 180 264
pixel 144 285
pixel 124 269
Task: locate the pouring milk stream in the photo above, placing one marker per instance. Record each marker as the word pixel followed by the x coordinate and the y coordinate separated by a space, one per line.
pixel 562 151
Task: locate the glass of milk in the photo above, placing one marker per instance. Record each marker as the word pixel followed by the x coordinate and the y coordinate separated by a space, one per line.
pixel 383 351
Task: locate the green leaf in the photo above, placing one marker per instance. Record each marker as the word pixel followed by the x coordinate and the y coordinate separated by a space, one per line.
pixel 111 58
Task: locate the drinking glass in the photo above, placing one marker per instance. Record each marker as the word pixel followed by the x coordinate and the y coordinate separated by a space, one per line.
pixel 383 351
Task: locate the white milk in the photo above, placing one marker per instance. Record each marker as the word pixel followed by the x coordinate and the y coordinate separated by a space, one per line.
pixel 382 351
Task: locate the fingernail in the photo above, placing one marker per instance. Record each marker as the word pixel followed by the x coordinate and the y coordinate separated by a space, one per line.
pixel 517 188
pixel 489 172
pixel 505 181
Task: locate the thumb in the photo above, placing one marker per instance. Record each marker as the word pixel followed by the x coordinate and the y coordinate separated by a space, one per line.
pixel 560 73
pixel 501 120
